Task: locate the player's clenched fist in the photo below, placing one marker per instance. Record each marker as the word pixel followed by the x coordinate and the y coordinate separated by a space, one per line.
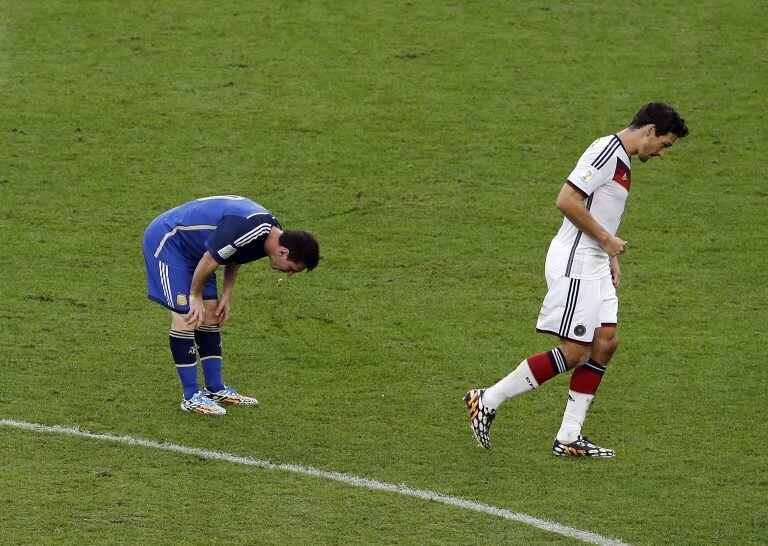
pixel 614 246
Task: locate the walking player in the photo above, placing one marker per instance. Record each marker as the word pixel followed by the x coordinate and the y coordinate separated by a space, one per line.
pixel 582 273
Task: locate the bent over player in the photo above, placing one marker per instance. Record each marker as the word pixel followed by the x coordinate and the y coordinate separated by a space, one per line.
pixel 582 274
pixel 182 250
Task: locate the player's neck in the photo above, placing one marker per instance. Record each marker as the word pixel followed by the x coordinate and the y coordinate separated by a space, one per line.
pixel 630 139
pixel 272 244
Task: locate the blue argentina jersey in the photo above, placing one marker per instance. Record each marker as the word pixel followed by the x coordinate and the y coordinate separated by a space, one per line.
pixel 232 228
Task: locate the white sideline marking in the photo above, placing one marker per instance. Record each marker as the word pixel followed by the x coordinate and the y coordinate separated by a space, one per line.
pixel 401 489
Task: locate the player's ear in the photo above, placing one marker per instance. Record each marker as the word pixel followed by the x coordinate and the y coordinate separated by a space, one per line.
pixel 283 252
pixel 650 129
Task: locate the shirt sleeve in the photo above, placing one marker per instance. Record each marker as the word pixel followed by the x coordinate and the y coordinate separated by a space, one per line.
pixel 594 169
pixel 233 234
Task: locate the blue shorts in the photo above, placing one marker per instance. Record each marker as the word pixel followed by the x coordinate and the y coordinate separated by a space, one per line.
pixel 169 281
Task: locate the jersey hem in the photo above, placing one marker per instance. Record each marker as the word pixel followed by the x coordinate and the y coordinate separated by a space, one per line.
pixel 181 311
pixel 165 304
pixel 589 278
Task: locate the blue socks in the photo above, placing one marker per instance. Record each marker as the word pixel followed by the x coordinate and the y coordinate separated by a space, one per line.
pixel 185 357
pixel 208 338
pixel 184 347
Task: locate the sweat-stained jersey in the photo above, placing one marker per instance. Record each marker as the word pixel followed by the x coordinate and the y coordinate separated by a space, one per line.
pixel 602 176
pixel 232 228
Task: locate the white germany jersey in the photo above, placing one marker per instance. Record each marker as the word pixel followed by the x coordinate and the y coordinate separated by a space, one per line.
pixel 602 176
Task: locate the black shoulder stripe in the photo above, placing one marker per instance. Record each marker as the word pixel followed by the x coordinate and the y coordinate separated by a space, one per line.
pixel 607 152
pixel 609 156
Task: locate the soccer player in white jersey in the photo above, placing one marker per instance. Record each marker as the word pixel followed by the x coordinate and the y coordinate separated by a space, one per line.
pixel 582 274
pixel 183 247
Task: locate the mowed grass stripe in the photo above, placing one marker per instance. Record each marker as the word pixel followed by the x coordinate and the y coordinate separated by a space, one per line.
pixel 546 525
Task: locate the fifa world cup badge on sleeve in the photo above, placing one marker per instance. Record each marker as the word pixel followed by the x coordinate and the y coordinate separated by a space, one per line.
pixel 181 299
pixel 586 176
pixel 226 252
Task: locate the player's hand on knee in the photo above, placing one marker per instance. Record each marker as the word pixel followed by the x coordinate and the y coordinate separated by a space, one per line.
pixel 196 313
pixel 222 312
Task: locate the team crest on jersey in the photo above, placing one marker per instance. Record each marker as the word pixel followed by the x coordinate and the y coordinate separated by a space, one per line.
pixel 580 330
pixel 586 176
pixel 181 299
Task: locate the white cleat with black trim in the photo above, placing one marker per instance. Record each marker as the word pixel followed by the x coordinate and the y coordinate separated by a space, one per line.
pixel 582 447
pixel 481 417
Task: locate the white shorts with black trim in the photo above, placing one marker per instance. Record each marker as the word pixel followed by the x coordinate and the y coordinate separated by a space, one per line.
pixel 574 308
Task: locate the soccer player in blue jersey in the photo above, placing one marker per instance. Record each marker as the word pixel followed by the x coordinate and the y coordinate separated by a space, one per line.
pixel 182 250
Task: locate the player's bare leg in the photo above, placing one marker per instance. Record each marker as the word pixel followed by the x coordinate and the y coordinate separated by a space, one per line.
pixel 583 386
pixel 605 344
pixel 529 375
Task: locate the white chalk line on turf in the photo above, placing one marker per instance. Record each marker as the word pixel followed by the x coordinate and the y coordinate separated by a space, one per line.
pixel 366 483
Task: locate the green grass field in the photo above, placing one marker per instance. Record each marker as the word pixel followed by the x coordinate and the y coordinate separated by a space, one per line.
pixel 424 143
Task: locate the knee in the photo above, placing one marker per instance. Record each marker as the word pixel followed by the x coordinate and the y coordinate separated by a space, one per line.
pixel 612 344
pixel 210 318
pixel 178 322
pixel 606 346
pixel 575 355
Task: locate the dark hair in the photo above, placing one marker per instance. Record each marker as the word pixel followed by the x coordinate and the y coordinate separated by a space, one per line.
pixel 663 116
pixel 302 247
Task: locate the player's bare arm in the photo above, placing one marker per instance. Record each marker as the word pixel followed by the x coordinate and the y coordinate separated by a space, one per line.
pixel 225 303
pixel 571 203
pixel 205 268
